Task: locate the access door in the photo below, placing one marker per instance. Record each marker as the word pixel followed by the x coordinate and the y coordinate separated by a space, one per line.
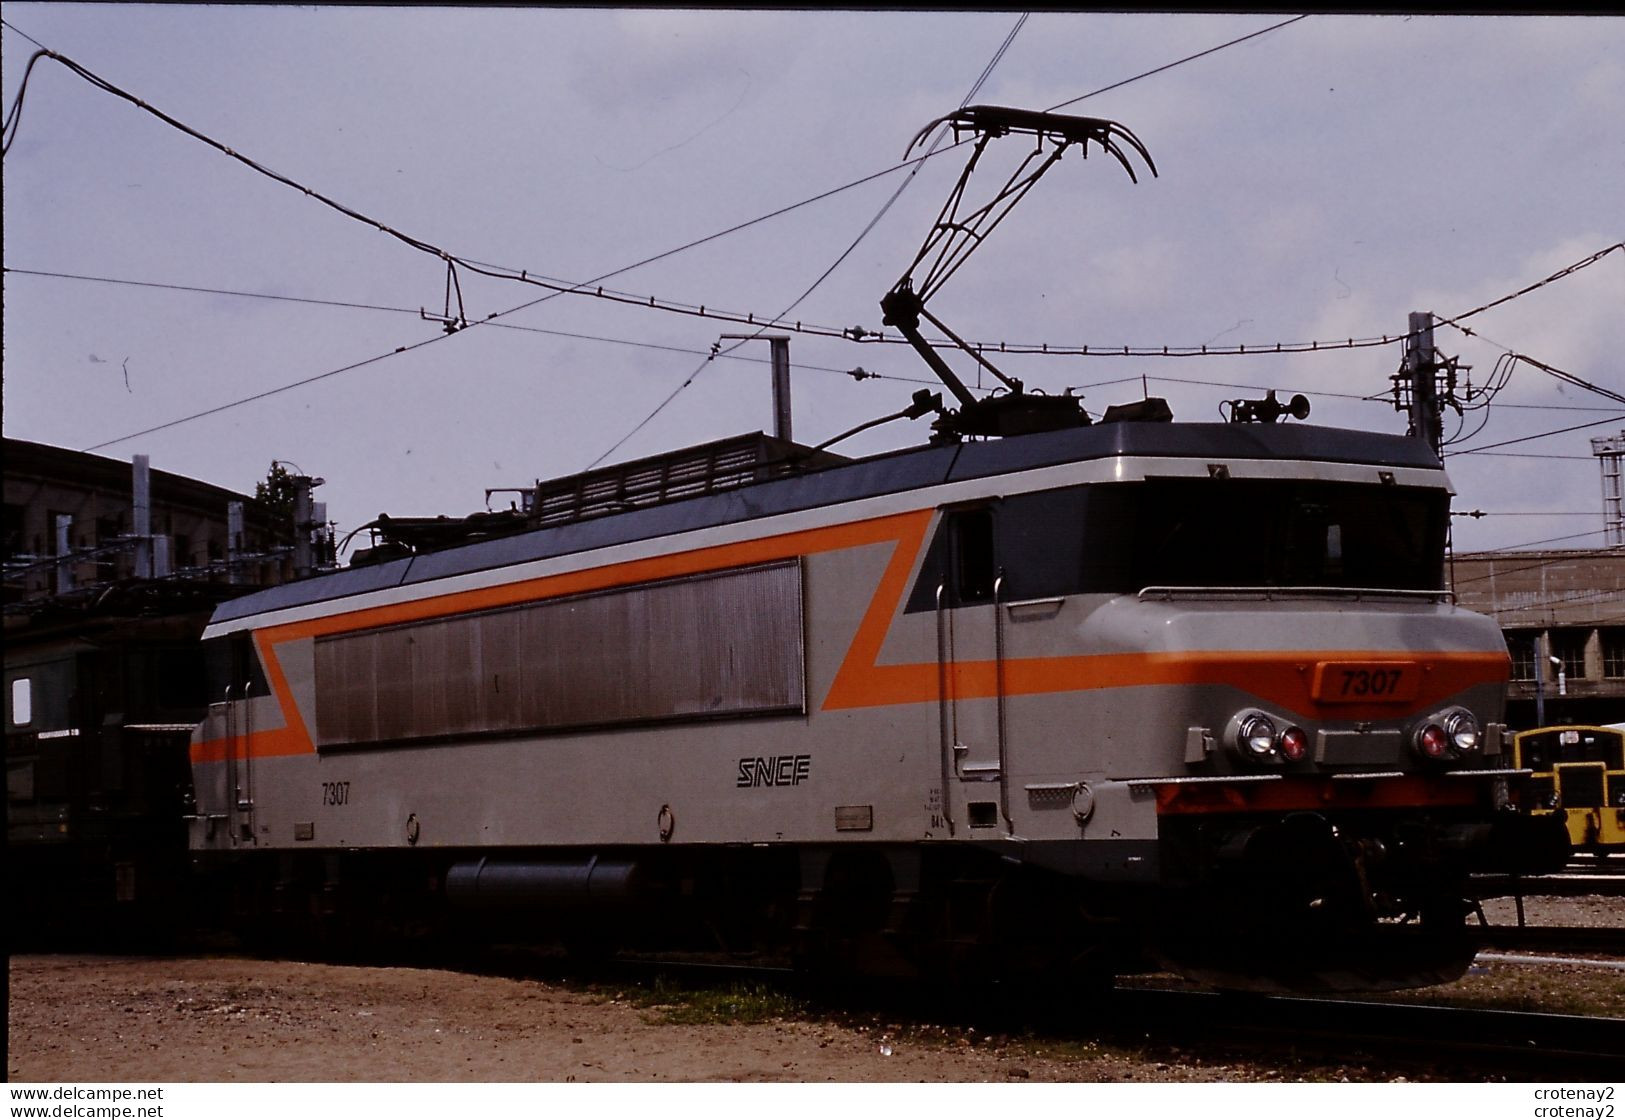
pixel 970 663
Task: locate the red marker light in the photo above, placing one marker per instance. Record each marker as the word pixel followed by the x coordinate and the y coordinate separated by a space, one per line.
pixel 1294 744
pixel 1432 742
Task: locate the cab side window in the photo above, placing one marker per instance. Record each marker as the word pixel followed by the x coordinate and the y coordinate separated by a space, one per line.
pixel 973 559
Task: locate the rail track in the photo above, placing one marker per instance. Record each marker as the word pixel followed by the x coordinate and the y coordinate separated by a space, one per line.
pixel 1398 1036
pixel 1511 1043
pixel 1606 941
pixel 1606 880
pixel 1587 877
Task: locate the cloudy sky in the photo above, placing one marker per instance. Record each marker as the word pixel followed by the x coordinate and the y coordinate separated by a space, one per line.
pixel 1318 182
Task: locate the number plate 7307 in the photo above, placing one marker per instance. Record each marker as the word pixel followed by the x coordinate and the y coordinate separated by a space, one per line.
pixel 1366 682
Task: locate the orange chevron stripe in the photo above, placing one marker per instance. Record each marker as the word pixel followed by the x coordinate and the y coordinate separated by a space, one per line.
pixel 905 530
pixel 1281 678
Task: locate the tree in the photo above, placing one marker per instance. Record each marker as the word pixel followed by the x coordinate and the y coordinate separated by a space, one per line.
pixel 276 493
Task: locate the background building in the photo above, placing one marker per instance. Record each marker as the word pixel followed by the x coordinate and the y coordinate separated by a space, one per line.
pixel 1563 614
pixel 75 522
pixel 111 573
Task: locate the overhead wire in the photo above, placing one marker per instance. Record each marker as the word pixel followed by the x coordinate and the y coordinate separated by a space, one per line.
pixel 590 287
pixel 1045 349
pixel 593 287
pixel 847 252
pixel 1594 596
pixel 1567 270
pixel 1178 62
pixel 268 393
pixel 641 424
pixel 1568 556
pixel 418 312
pixel 1535 454
pixel 499 272
pixel 1501 373
pixel 1555 540
pixel 14 115
pixel 1569 378
pixel 13 122
pixel 493 321
pixel 7 23
pixel 523 275
pixel 1543 435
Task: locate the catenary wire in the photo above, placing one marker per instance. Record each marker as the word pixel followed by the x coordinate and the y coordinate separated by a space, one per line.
pixel 1568 556
pixel 1595 597
pixel 205 290
pixel 1180 62
pixel 825 275
pixel 1543 435
pixel 499 272
pixel 418 312
pixel 493 321
pixel 269 392
pixel 588 287
pixel 1567 270
pixel 24 34
pixel 1536 454
pixel 15 120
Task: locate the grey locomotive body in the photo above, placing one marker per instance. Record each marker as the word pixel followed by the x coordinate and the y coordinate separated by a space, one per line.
pixel 1119 695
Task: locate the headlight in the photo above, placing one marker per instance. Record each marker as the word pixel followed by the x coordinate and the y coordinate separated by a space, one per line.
pixel 1252 736
pixel 1452 734
pixel 1462 730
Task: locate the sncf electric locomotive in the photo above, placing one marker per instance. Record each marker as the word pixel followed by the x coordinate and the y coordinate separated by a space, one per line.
pixel 1139 690
pixel 1051 695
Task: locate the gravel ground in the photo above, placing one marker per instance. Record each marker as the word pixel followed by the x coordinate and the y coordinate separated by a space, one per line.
pixel 1593 910
pixel 222 1019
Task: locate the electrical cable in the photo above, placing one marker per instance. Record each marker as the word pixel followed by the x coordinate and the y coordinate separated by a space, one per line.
pixel 20 31
pixel 1536 455
pixel 417 312
pixel 1569 378
pixel 1567 270
pixel 494 321
pixel 14 115
pixel 587 287
pixel 1600 595
pixel 638 427
pixel 14 121
pixel 1505 364
pixel 1181 62
pixel 825 275
pixel 1544 435
pixel 1568 556
pixel 423 246
pixel 1554 540
pixel 197 289
pixel 269 392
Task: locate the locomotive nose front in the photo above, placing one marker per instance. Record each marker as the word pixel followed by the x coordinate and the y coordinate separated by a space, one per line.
pixel 1317 681
pixel 1334 773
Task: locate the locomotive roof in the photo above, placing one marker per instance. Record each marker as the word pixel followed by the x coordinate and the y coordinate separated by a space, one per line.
pixel 887 473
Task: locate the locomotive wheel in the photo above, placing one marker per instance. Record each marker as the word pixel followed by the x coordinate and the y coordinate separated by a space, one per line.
pixel 845 934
